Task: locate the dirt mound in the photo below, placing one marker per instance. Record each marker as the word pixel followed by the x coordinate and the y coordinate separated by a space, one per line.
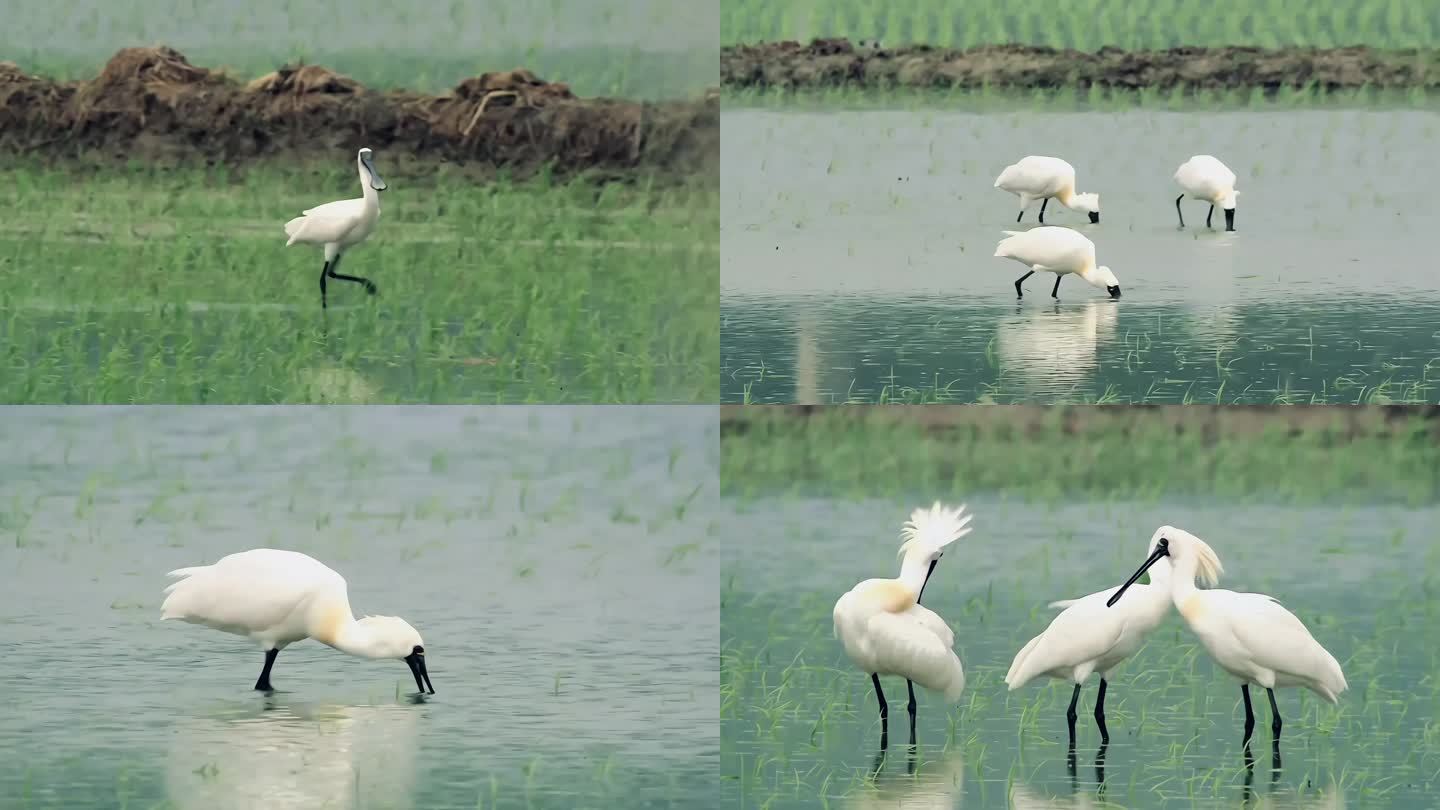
pixel 152 104
pixel 836 62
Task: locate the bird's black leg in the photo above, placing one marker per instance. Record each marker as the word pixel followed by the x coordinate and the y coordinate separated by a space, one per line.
pixel 324 271
pixel 1274 714
pixel 1177 210
pixel 1100 764
pixel 1055 291
pixel 1275 734
pixel 1019 294
pixel 1249 715
pixel 884 712
pixel 1100 714
pixel 1209 215
pixel 911 686
pixel 1070 715
pixel 1043 203
pixel 263 684
pixel 369 285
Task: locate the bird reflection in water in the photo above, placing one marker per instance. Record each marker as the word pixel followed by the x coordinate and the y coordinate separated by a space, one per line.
pixel 934 784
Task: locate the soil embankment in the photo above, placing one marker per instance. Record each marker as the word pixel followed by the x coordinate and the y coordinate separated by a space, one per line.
pixel 826 63
pixel 153 105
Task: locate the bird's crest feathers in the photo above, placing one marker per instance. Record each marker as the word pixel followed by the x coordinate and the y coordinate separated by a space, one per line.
pixel 933 529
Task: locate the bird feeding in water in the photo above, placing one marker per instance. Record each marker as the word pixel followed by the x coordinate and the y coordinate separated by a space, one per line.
pixel 341 225
pixel 1060 251
pixel 1248 634
pixel 276 598
pixel 1089 637
pixel 1205 178
pixel 1045 178
pixel 884 629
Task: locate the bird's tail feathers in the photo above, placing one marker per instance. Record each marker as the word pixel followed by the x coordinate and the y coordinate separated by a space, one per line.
pixel 956 685
pixel 292 229
pixel 934 528
pixel 1012 676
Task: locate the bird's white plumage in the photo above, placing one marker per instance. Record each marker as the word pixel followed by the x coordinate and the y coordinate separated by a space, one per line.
pixel 883 629
pixel 1038 177
pixel 341 224
pixel 1250 635
pixel 1204 177
pixel 1057 250
pixel 273 596
pixel 1089 637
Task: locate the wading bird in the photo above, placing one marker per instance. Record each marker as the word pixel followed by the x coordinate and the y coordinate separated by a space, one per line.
pixel 1089 637
pixel 342 224
pixel 884 629
pixel 1059 251
pixel 1045 178
pixel 1248 634
pixel 276 598
pixel 1205 178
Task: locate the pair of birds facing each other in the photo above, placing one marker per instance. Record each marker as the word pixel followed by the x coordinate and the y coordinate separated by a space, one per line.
pixel 1064 251
pixel 885 631
pixel 276 598
pixel 340 225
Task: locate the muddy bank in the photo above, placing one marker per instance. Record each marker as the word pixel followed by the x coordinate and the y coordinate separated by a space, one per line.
pixel 153 105
pixel 1333 423
pixel 838 62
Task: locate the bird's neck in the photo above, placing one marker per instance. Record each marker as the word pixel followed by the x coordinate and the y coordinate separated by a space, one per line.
pixel 372 197
pixel 913 571
pixel 1065 195
pixel 1182 580
pixel 355 638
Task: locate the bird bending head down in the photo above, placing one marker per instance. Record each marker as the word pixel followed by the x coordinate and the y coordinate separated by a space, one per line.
pixel 393 637
pixel 1186 552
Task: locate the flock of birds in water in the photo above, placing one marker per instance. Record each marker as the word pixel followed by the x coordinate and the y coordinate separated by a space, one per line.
pixel 885 631
pixel 1064 251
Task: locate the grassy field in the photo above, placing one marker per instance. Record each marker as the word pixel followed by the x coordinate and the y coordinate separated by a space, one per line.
pixel 629 48
pixel 153 286
pixel 1090 24
pixel 1328 454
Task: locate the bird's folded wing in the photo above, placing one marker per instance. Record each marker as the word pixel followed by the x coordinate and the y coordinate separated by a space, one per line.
pixel 1273 636
pixel 909 643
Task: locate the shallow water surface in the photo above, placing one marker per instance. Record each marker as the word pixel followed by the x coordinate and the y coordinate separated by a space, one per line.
pixel 857 259
pixel 799 726
pixel 529 546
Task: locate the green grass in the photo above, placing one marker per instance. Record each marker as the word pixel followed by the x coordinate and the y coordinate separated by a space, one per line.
pixel 175 286
pixel 846 454
pixel 1091 24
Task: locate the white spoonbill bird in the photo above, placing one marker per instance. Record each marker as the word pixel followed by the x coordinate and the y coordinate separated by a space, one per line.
pixel 1089 637
pixel 1060 251
pixel 884 629
pixel 1044 178
pixel 277 598
pixel 1248 634
pixel 1206 178
pixel 341 224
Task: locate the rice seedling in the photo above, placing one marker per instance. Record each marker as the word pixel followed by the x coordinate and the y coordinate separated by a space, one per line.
pixel 1089 24
pixel 155 285
pixel 809 508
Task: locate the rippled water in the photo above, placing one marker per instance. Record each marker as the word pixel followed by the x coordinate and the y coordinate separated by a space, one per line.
pixel 556 560
pixel 799 725
pixel 857 259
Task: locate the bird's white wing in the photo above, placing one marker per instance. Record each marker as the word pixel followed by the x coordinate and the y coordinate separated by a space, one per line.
pixel 246 591
pixel 1276 639
pixel 328 222
pixel 1049 246
pixel 907 644
pixel 1084 631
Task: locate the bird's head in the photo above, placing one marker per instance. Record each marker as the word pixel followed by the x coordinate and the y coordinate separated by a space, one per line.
pixel 1088 203
pixel 367 165
pixel 1183 549
pixel 1102 276
pixel 393 637
pixel 927 534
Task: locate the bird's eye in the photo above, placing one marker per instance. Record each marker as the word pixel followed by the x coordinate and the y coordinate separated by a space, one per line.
pixel 418 650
